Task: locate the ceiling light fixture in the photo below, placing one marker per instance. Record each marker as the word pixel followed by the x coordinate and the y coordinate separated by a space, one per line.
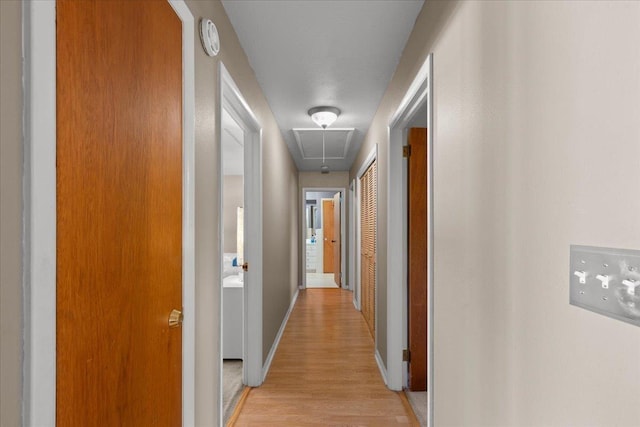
pixel 324 117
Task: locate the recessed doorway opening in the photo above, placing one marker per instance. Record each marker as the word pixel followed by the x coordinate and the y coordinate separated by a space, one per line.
pixel 323 243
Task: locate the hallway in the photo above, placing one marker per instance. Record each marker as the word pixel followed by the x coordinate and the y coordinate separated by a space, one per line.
pixel 324 371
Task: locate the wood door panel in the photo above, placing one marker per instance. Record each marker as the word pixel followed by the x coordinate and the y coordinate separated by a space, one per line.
pixel 119 213
pixel 368 206
pixel 337 241
pixel 418 258
pixel 328 233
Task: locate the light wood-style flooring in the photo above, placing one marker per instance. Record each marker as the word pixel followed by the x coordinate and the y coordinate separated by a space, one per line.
pixel 324 372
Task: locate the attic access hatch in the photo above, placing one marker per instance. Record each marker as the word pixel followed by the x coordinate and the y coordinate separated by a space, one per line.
pixel 337 142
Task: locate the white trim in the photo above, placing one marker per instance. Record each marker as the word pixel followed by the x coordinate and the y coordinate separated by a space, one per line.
pixel 232 101
pixel 419 92
pixel 188 213
pixel 39 51
pixel 303 233
pixel 352 236
pixel 39 394
pixel 276 341
pixel 383 371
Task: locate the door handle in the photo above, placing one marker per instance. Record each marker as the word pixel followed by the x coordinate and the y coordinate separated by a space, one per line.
pixel 333 241
pixel 245 266
pixel 175 318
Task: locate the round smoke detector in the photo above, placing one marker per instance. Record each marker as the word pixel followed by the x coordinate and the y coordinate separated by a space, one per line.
pixel 209 37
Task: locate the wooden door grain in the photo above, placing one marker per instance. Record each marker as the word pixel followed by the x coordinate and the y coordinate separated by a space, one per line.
pixel 119 213
pixel 337 241
pixel 417 268
pixel 328 231
pixel 368 243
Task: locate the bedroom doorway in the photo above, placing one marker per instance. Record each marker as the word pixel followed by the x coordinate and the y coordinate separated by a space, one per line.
pixel 323 243
pixel 232 262
pixel 239 172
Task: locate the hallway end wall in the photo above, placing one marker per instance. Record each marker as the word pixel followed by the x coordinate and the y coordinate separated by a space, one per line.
pixel 11 170
pixel 536 148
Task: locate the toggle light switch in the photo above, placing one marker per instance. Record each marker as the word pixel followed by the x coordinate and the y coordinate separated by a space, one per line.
pixel 631 285
pixel 604 279
pixel 617 271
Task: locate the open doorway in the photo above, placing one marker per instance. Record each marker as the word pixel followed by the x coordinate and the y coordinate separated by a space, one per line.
pixel 410 231
pixel 323 245
pixel 232 262
pixel 240 214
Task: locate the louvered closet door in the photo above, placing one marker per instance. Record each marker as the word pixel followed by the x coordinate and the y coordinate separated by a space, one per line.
pixel 368 199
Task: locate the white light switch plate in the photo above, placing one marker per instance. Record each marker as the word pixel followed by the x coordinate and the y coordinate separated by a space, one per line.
pixel 611 286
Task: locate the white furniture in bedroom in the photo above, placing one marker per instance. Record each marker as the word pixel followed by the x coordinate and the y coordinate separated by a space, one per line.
pixel 232 309
pixel 312 256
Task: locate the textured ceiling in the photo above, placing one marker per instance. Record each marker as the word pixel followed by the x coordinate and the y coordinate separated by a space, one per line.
pixel 323 52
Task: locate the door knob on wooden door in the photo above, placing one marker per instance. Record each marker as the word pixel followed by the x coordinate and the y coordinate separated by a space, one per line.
pixel 175 318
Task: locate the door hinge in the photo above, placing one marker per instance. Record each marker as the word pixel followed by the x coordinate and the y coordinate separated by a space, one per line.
pixel 406 150
pixel 406 355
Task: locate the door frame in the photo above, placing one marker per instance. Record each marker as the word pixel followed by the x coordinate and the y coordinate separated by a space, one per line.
pixel 303 232
pixel 39 268
pixel 420 92
pixel 232 101
pixel 352 238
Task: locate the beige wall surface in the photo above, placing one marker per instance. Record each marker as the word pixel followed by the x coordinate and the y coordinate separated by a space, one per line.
pixel 279 256
pixel 10 213
pixel 232 198
pixel 318 180
pixel 536 147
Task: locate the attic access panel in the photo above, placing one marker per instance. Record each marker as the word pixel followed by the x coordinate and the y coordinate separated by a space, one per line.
pixel 337 142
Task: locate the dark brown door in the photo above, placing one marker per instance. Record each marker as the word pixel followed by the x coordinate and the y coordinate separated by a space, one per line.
pixel 328 231
pixel 417 236
pixel 119 213
pixel 337 241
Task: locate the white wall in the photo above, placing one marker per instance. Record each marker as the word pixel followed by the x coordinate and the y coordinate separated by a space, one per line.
pixel 537 146
pixel 232 198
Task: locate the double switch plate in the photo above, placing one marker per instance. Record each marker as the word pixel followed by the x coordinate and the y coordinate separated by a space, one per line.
pixel 606 281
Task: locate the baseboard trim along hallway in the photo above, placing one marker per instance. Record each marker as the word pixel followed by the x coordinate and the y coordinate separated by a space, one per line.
pixel 276 342
pixel 324 371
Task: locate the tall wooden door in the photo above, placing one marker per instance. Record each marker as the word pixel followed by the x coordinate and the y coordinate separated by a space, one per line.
pixel 337 241
pixel 368 243
pixel 328 232
pixel 119 213
pixel 417 263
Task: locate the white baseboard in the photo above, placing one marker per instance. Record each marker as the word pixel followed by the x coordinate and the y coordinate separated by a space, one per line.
pixel 276 342
pixel 383 371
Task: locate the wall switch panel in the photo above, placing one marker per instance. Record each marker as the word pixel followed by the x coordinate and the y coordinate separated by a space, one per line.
pixel 606 281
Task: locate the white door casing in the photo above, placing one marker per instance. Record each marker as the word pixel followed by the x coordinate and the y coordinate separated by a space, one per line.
pixel 420 92
pixel 39 277
pixel 232 101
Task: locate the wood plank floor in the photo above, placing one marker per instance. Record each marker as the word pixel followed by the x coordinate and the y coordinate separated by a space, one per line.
pixel 324 371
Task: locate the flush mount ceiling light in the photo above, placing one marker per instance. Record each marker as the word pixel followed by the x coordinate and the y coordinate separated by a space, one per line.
pixel 324 116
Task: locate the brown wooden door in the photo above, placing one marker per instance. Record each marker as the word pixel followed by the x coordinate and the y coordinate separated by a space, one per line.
pixel 328 231
pixel 368 233
pixel 417 263
pixel 119 213
pixel 337 241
